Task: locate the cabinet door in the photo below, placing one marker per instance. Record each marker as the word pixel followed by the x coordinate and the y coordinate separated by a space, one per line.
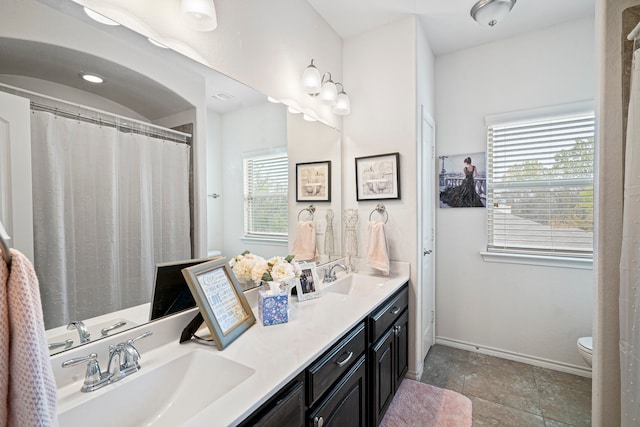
pixel 383 374
pixel 345 406
pixel 401 332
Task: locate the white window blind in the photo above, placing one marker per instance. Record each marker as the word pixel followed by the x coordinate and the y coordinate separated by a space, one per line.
pixel 540 186
pixel 266 183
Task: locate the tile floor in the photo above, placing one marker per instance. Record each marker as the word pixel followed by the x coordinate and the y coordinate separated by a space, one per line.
pixel 505 393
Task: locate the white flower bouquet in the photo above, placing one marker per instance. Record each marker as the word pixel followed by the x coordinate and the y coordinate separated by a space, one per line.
pixel 243 265
pixel 276 269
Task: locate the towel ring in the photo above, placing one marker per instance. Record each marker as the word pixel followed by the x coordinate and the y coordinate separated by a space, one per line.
pixel 382 211
pixel 311 209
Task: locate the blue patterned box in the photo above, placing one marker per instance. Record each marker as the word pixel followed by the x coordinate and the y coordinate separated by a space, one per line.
pixel 273 309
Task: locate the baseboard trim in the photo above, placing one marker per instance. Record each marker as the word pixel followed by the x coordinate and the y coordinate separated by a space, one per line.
pixel 415 375
pixel 518 357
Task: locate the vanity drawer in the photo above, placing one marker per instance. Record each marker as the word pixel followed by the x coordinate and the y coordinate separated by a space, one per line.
pixel 325 371
pixel 383 318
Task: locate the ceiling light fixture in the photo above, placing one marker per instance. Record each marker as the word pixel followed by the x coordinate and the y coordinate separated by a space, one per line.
pixel 490 12
pixel 100 18
pixel 92 78
pixel 200 15
pixel 157 43
pixel 321 85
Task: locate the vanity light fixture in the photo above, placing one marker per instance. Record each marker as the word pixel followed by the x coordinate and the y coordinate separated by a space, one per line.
pixel 321 85
pixel 328 91
pixel 92 78
pixel 100 18
pixel 490 12
pixel 311 80
pixel 343 104
pixel 200 15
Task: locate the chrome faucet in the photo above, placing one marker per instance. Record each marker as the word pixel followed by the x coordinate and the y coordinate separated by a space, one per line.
pixel 82 330
pixel 330 274
pixel 124 360
pixel 93 378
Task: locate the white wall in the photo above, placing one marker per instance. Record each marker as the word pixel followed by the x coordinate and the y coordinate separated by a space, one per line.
pixel 531 311
pixel 380 69
pixel 252 131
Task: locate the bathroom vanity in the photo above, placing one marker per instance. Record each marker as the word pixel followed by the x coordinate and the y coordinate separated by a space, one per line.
pixel 341 356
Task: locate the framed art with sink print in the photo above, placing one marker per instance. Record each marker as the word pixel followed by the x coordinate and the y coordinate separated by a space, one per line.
pixel 378 177
pixel 313 182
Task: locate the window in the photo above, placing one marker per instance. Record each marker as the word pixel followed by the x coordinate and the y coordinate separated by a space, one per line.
pixel 266 183
pixel 540 186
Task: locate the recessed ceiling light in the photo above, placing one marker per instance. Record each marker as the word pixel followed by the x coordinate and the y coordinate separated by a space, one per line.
pixel 92 78
pixel 100 18
pixel 156 43
pixel 223 96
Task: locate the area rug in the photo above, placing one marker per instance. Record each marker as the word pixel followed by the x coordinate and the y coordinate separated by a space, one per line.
pixel 419 404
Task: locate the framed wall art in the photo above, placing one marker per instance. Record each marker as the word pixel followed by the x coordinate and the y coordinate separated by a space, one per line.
pixel 378 177
pixel 462 180
pixel 313 182
pixel 308 284
pixel 222 303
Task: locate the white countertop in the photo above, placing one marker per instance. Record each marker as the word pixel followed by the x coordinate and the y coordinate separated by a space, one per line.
pixel 276 353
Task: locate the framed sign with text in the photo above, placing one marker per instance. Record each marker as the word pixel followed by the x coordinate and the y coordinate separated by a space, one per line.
pixel 222 303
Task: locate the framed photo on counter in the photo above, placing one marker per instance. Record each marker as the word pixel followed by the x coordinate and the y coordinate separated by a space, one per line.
pixel 308 285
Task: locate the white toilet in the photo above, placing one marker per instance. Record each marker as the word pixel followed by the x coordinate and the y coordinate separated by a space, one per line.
pixel 585 346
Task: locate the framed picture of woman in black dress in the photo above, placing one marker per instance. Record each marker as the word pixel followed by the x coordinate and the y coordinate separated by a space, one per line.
pixel 463 181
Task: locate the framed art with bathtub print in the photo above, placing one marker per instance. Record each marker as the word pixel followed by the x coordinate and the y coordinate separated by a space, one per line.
pixel 313 182
pixel 222 303
pixel 378 177
pixel 308 284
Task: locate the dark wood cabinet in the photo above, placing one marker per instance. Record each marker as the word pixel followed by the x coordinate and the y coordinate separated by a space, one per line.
pixel 389 353
pixel 285 409
pixel 345 405
pixel 354 381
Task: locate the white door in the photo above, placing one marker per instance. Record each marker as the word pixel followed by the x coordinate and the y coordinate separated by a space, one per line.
pixel 16 206
pixel 427 215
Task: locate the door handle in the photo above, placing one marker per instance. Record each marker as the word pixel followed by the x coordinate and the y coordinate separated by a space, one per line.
pixel 426 252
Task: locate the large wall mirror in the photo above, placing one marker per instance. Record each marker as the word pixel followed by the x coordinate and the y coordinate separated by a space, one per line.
pixel 44 46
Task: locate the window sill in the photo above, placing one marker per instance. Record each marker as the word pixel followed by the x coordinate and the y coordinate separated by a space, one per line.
pixel 541 260
pixel 265 241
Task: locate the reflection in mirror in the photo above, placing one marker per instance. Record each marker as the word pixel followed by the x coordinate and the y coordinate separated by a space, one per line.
pixel 158 87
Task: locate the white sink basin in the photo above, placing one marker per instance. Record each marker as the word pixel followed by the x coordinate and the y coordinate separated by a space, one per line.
pixel 355 285
pixel 165 395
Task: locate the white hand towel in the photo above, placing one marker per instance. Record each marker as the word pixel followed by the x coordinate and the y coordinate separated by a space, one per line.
pixel 304 246
pixel 29 393
pixel 377 255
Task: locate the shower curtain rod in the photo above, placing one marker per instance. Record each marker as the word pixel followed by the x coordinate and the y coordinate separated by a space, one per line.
pixel 42 103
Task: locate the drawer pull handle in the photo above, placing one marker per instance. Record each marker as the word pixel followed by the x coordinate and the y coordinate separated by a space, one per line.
pixel 344 362
pixel 395 310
